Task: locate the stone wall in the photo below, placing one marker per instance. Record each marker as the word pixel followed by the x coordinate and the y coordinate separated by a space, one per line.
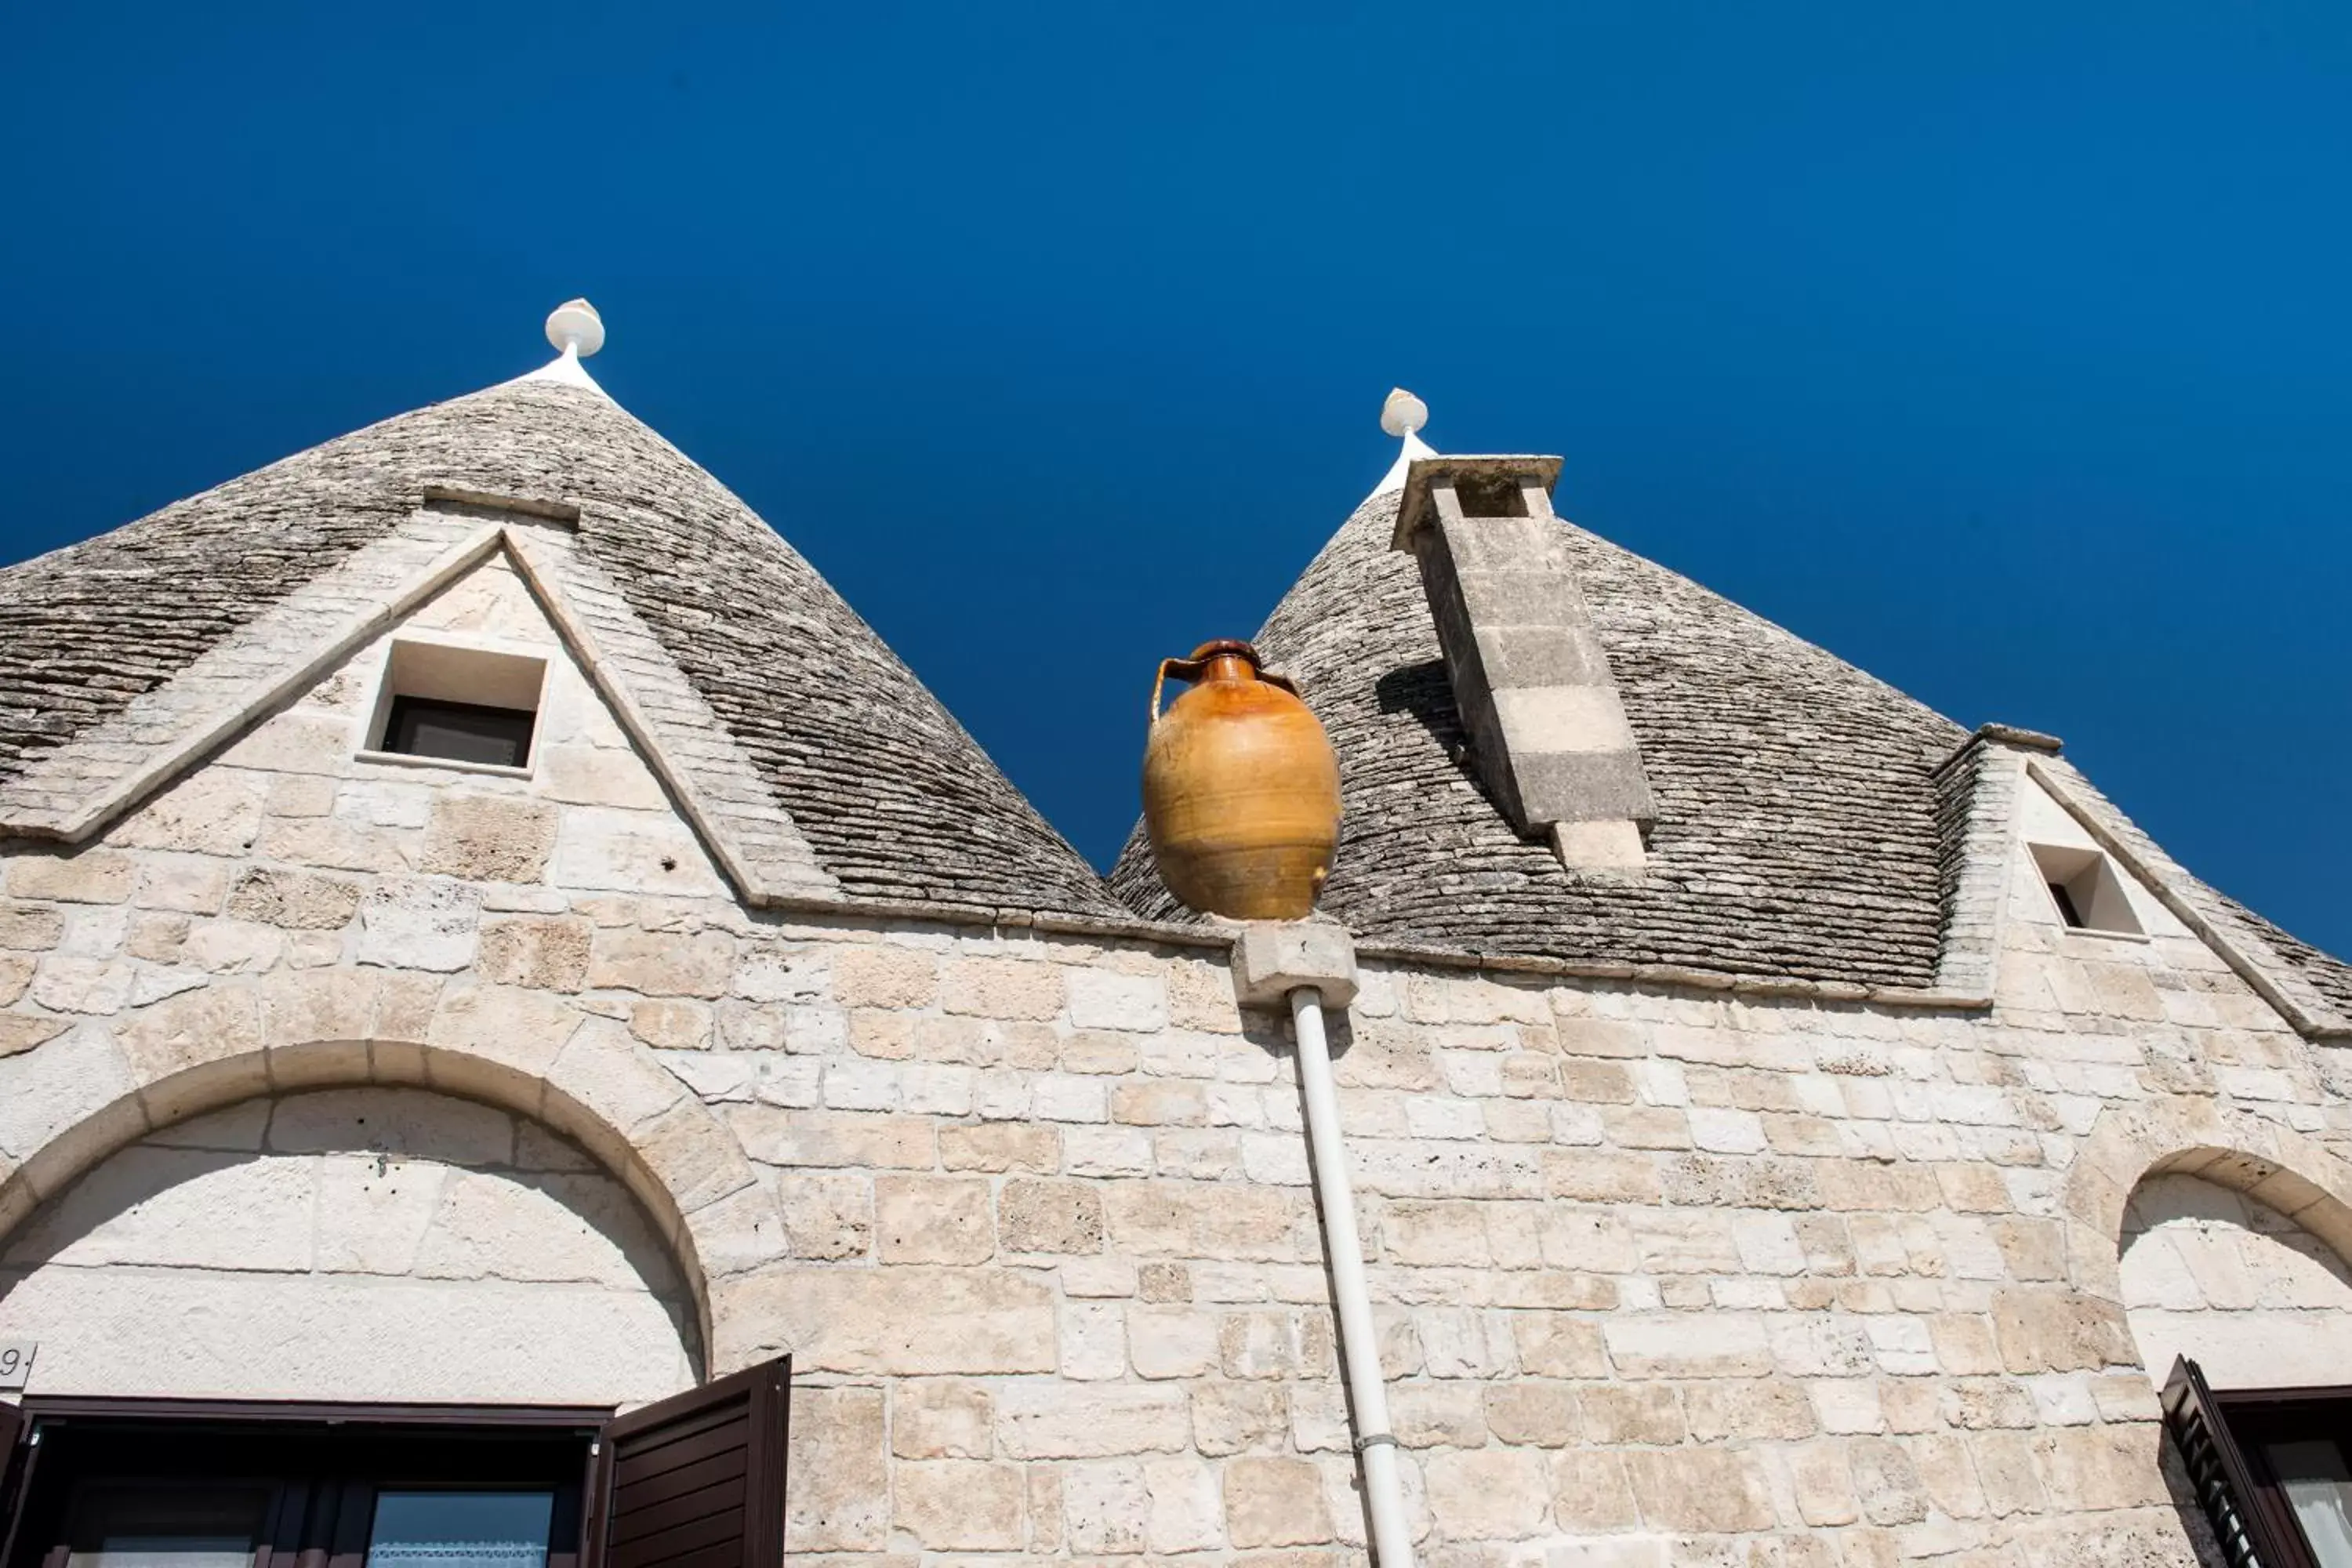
pixel 1661 1274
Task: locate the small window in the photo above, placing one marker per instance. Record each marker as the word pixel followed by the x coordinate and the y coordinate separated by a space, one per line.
pixel 459 732
pixel 2085 890
pixel 471 706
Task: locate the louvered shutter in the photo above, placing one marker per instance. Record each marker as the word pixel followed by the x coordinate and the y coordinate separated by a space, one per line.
pixel 696 1481
pixel 2240 1514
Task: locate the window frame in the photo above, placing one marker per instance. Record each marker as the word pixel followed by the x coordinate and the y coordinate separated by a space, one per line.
pixel 454 671
pixel 405 704
pixel 2088 892
pixel 2259 1418
pixel 739 1424
pixel 299 1525
pixel 2236 1424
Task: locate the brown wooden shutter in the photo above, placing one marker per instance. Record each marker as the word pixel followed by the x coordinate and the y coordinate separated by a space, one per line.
pixel 698 1480
pixel 2241 1515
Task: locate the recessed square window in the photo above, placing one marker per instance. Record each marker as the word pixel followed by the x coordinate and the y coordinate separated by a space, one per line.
pixel 459 732
pixel 2085 890
pixel 466 705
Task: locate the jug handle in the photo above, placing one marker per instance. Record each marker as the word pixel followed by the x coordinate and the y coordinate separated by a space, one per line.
pixel 1183 669
pixel 1191 668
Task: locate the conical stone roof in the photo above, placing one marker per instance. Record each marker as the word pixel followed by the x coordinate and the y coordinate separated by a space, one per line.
pixel 898 803
pixel 1808 828
pixel 1797 832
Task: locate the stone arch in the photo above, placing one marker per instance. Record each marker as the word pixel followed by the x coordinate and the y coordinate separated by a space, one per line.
pixel 92 1091
pixel 368 1243
pixel 2211 1273
pixel 2275 1167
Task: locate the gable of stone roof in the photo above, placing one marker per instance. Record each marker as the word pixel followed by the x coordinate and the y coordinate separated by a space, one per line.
pixel 898 803
pixel 2310 989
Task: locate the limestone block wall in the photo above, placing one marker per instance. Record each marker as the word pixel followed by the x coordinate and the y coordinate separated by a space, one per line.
pixel 1663 1275
pixel 383 1244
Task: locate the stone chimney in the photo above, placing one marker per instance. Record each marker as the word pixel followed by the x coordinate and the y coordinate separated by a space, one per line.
pixel 1547 733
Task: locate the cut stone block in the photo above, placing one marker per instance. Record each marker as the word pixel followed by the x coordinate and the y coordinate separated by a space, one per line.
pixel 1273 958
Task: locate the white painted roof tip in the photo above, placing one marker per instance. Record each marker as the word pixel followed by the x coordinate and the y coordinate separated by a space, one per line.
pixel 1414 447
pixel 566 369
pixel 1403 415
pixel 1403 418
pixel 575 331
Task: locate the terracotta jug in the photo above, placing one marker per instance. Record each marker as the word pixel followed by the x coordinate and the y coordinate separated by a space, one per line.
pixel 1240 793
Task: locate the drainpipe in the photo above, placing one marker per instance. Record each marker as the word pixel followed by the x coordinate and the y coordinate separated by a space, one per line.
pixel 1313 965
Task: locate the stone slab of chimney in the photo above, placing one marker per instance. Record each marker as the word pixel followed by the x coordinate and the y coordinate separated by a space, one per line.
pixel 1547 731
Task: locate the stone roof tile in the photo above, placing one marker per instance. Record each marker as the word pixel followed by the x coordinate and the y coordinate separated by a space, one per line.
pixel 2325 972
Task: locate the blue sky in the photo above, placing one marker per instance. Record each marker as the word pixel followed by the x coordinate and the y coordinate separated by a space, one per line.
pixel 2002 350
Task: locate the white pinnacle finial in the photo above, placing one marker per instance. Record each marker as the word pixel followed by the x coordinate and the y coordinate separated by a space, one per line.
pixel 575 328
pixel 1402 413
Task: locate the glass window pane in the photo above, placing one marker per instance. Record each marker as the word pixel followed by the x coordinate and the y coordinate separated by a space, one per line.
pixel 461 733
pixel 167 1527
pixel 460 1530
pixel 2318 1487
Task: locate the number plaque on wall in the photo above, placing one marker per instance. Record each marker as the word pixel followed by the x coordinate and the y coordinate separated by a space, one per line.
pixel 16 1362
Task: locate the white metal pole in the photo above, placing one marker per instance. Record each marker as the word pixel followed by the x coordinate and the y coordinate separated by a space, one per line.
pixel 1375 1445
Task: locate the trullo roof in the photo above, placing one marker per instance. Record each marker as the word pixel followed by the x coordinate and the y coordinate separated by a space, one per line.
pixel 897 802
pixel 1808 828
